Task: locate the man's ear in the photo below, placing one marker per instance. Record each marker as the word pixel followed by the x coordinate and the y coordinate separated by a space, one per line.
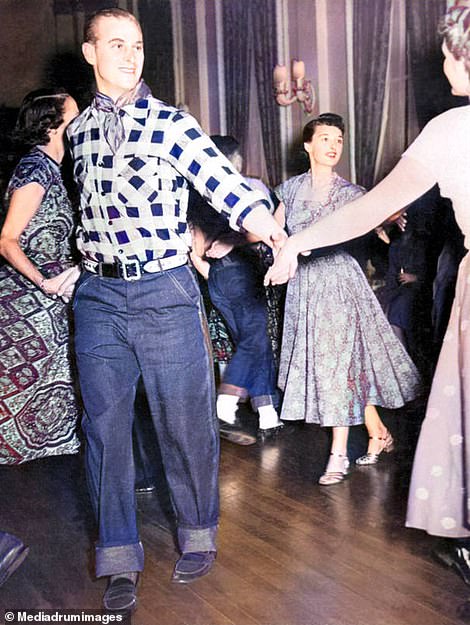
pixel 307 146
pixel 88 51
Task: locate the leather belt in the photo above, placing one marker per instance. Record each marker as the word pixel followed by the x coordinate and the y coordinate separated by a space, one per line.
pixel 133 269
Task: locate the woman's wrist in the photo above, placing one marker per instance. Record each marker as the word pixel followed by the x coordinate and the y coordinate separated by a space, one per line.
pixel 296 243
pixel 41 285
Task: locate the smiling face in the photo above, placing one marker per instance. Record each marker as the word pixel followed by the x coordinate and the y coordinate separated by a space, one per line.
pixel 456 73
pixel 325 147
pixel 116 54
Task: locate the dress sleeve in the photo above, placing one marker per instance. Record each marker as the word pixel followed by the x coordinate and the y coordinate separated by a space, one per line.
pixel 30 170
pixel 279 192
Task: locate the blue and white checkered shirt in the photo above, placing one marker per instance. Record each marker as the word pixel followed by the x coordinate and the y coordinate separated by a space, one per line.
pixel 133 203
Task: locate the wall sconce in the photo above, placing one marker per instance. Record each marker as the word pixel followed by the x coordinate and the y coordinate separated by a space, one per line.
pixel 301 88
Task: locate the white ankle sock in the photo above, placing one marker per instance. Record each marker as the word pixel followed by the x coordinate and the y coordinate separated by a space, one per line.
pixel 268 417
pixel 227 407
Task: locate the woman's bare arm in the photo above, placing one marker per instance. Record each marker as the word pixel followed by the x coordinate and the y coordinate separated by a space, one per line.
pixel 404 184
pixel 24 204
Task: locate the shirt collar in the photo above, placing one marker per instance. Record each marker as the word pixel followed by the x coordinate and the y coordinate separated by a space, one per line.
pixel 103 102
pixel 113 126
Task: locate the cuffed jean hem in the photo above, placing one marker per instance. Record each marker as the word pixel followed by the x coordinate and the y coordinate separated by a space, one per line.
pixel 119 559
pixel 190 539
pixel 226 388
pixel 262 400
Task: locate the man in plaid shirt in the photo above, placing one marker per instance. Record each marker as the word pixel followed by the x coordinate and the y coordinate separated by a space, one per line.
pixel 137 304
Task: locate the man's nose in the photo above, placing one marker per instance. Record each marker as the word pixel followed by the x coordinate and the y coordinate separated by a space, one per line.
pixel 130 54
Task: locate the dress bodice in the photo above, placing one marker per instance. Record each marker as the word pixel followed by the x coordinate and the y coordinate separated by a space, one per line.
pixel 302 209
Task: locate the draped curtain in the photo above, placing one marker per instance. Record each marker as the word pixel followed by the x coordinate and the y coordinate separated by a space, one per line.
pixel 237 63
pixel 265 58
pixel 155 16
pixel 371 30
pixel 431 90
pixel 250 42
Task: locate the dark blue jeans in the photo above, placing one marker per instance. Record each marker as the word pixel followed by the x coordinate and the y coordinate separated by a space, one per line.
pixel 237 292
pixel 154 328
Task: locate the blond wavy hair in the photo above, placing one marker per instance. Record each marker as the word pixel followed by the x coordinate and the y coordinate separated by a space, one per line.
pixel 455 29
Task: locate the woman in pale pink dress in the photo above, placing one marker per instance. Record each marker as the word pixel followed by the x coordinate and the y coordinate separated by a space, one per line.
pixel 439 497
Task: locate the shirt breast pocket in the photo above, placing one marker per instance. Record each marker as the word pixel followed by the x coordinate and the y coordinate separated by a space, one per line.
pixel 145 174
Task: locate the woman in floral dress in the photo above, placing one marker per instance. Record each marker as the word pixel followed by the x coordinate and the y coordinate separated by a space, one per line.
pixel 339 357
pixel 38 407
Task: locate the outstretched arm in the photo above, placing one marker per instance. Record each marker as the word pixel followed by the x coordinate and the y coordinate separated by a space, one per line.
pixel 404 184
pixel 264 227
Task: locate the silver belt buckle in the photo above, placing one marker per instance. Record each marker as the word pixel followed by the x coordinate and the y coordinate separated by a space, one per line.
pixel 131 270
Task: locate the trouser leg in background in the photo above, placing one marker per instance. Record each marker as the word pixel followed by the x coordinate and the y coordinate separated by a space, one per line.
pixel 236 294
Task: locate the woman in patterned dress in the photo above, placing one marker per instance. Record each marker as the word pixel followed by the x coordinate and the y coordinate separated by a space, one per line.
pixel 439 496
pixel 38 408
pixel 340 358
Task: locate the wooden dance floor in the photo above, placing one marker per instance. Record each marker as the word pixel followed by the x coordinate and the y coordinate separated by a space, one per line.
pixel 290 552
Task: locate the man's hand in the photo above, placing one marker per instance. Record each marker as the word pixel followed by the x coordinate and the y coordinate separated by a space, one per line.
pixel 264 228
pixel 382 234
pixel 407 278
pixel 285 264
pixel 54 287
pixel 219 249
pixel 398 218
pixel 277 241
pixel 67 286
pixel 401 222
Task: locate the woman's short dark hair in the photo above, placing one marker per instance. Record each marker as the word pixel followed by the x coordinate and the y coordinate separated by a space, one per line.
pixel 325 119
pixel 41 110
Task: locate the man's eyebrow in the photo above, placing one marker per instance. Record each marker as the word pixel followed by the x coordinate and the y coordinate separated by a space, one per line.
pixel 120 40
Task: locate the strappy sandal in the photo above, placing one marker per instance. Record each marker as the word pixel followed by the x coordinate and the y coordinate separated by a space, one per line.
pixel 336 470
pixel 372 458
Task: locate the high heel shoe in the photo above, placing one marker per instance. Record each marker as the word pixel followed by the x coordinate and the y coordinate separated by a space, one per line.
pixel 387 446
pixel 336 470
